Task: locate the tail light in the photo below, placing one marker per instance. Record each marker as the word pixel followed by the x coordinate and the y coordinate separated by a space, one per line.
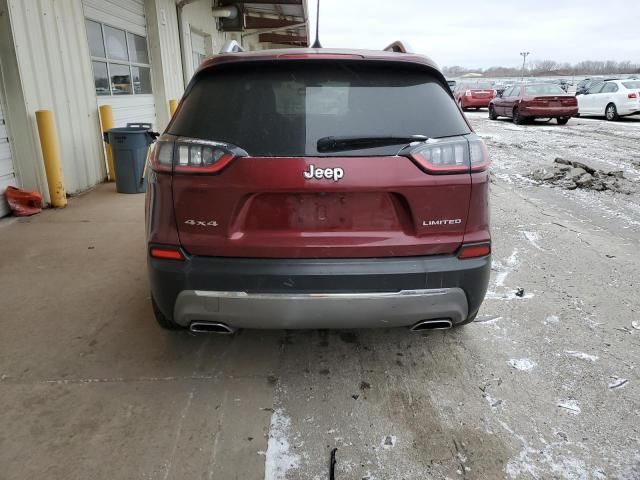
pixel 451 155
pixel 161 157
pixel 467 93
pixel 190 155
pixel 632 95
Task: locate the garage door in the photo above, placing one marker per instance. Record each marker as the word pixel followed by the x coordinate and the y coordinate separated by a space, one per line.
pixel 6 163
pixel 117 36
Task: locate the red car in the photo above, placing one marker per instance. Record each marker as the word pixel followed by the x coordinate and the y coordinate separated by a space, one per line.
pixel 316 188
pixel 474 94
pixel 534 100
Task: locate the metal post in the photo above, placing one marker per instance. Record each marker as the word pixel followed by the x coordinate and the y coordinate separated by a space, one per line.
pixel 106 121
pixel 173 104
pixel 51 156
pixel 524 61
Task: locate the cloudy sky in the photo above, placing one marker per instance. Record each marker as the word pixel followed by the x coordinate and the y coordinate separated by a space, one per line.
pixel 484 33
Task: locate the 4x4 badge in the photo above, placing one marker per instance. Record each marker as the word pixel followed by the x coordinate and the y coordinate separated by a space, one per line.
pixel 334 174
pixel 202 223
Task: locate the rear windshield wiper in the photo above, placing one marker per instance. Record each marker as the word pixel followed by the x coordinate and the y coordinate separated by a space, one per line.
pixel 353 142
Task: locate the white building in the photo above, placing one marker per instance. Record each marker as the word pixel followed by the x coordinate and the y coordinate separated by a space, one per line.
pixel 71 56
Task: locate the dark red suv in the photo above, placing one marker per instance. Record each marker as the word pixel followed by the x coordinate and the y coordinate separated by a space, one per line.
pixel 318 188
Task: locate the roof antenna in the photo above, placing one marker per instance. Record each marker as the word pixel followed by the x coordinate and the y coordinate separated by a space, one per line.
pixel 316 44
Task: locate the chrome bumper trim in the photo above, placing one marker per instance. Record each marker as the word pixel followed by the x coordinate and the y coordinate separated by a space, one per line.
pixel 320 310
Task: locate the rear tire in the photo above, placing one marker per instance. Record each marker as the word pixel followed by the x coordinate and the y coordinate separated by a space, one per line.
pixel 517 118
pixel 162 320
pixel 611 112
pixel 492 113
pixel 562 120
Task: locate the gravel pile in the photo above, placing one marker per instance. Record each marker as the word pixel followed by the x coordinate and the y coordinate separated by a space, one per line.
pixel 571 175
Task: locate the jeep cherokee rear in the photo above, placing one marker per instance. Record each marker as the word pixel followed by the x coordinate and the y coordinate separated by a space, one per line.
pixel 317 189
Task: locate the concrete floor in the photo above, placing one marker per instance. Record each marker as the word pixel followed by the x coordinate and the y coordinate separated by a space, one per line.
pixel 543 386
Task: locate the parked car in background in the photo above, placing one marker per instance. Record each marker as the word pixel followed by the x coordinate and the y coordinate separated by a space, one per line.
pixel 613 99
pixel 561 82
pixel 500 87
pixel 587 83
pixel 528 101
pixel 452 84
pixel 474 94
pixel 304 189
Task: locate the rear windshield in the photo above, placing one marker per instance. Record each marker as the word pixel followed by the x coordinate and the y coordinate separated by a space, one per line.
pixel 634 84
pixel 283 109
pixel 479 86
pixel 544 89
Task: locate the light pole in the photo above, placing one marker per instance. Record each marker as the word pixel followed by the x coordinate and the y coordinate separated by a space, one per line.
pixel 524 61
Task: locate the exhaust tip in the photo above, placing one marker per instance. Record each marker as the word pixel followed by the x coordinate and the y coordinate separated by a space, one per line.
pixel 210 327
pixel 439 324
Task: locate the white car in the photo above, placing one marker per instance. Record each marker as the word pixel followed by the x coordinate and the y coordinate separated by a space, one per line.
pixel 611 98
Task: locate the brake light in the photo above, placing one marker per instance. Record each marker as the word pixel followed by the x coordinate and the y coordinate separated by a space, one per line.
pixel 474 250
pixel 166 253
pixel 632 95
pixel 191 155
pixel 451 155
pixel 467 93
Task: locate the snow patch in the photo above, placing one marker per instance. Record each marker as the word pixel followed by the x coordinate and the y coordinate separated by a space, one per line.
pixel 570 405
pixel 533 238
pixel 581 355
pixel 522 363
pixel 278 459
pixel 550 458
pixel 617 382
pixel 505 269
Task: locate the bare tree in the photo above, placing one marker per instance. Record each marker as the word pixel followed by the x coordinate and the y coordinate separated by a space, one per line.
pixel 551 67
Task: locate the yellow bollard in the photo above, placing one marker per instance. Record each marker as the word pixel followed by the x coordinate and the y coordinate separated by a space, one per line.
pixel 51 156
pixel 173 104
pixel 106 121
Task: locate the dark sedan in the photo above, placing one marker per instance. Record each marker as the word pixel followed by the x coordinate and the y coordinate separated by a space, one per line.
pixel 534 100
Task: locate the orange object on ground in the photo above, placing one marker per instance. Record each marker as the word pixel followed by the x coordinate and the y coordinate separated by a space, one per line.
pixel 23 204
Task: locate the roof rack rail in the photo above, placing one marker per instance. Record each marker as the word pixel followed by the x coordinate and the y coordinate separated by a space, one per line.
pixel 231 46
pixel 398 46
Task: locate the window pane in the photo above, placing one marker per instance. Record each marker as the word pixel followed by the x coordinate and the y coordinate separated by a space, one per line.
pixel 100 78
pixel 94 35
pixel 283 109
pixel 138 48
pixel 116 43
pixel 120 79
pixel 141 79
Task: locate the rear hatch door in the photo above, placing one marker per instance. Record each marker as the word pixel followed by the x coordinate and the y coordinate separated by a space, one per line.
pixel 286 199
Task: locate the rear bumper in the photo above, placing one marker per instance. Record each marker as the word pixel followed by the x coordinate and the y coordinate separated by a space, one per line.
pixel 475 102
pixel 549 112
pixel 314 293
pixel 628 109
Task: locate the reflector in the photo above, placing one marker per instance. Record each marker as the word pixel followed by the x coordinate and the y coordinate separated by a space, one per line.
pixel 474 250
pixel 166 253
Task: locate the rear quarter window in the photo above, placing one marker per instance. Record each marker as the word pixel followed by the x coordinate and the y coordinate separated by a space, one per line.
pixel 283 108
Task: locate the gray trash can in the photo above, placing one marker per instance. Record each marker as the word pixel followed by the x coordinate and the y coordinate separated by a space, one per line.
pixel 129 147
